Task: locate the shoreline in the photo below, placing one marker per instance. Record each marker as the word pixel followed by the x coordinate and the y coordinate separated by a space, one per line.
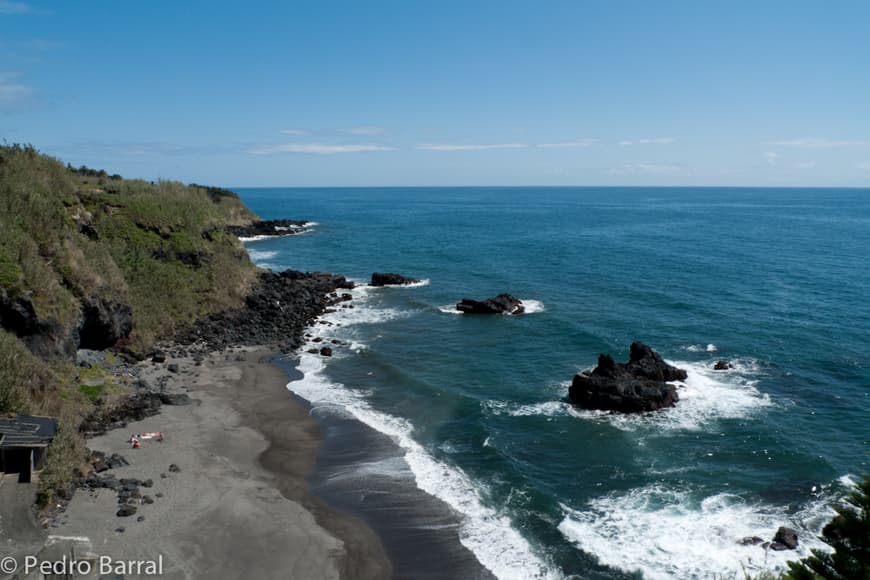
pixel 238 504
pixel 362 472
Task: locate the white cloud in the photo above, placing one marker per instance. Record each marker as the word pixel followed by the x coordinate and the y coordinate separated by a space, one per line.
pixel 655 141
pixel 295 132
pixel 647 168
pixel 13 94
pixel 771 157
pixel 7 7
pixel 816 143
pixel 569 144
pixel 454 147
pixel 365 130
pixel 316 149
pixel 805 165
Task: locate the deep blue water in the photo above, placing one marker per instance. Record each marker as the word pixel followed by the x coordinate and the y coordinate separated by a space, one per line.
pixel 775 280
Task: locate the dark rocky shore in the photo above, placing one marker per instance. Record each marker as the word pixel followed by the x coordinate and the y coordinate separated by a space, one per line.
pixel 276 312
pixel 269 228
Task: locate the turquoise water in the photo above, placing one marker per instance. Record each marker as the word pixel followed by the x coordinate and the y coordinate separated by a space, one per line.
pixel 774 280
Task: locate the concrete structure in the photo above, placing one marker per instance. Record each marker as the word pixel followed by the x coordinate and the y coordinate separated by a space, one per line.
pixel 23 443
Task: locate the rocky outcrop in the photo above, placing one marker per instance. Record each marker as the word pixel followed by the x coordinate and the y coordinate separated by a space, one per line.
pixel 276 312
pixel 501 304
pixel 47 338
pixel 134 408
pixel 390 279
pixel 104 323
pixel 642 384
pixel 722 365
pixel 269 228
pixel 785 539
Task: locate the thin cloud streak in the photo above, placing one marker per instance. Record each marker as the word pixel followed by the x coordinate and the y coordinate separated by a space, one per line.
pixel 647 168
pixel 816 143
pixel 295 132
pixel 7 7
pixel 655 141
pixel 316 149
pixel 456 147
pixel 13 95
pixel 568 144
pixel 365 130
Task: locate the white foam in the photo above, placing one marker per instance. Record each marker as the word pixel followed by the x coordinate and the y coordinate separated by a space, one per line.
pixel 484 530
pixel 666 533
pixel 450 309
pixel 258 257
pixel 701 348
pixel 532 306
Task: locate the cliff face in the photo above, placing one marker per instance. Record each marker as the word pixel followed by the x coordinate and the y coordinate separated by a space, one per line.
pixel 92 261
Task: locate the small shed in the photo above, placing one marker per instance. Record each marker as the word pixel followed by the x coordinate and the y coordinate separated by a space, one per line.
pixel 23 443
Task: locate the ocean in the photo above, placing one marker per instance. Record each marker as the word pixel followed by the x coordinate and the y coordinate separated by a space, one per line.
pixel 774 280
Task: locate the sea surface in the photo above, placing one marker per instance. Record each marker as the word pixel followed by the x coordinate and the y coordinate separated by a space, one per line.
pixel 777 281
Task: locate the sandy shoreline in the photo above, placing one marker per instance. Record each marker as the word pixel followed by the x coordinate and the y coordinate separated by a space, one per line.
pixel 239 506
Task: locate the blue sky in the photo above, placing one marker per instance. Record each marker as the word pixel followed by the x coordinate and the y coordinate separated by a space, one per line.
pixel 422 92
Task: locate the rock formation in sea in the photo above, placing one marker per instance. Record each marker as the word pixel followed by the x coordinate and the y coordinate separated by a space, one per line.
pixel 390 279
pixel 268 228
pixel 501 304
pixel 642 384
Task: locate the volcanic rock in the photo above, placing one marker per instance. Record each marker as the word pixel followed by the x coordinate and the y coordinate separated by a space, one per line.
pixel 787 537
pixel 268 228
pixel 390 279
pixel 641 384
pixel 501 304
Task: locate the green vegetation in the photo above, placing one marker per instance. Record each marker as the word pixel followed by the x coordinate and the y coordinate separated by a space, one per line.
pixel 849 535
pixel 74 237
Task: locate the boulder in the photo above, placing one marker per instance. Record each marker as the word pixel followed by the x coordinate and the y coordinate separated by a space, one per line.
pixel 501 304
pixel 786 537
pixel 642 384
pixel 126 511
pixel 391 279
pixel 326 351
pixel 750 541
pixel 722 365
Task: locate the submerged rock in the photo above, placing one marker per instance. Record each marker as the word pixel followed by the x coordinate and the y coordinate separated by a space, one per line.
pixel 640 385
pixel 390 279
pixel 501 304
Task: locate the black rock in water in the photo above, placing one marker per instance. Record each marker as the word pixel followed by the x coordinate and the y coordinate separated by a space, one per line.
pixel 722 365
pixel 390 279
pixel 787 537
pixel 501 304
pixel 641 384
pixel 269 228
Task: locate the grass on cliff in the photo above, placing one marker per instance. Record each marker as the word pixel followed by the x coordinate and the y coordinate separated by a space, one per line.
pixel 73 236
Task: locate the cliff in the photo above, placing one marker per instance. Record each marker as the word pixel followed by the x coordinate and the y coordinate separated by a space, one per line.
pixel 93 261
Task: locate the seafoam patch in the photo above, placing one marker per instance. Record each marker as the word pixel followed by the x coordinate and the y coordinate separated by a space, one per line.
pixel 667 533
